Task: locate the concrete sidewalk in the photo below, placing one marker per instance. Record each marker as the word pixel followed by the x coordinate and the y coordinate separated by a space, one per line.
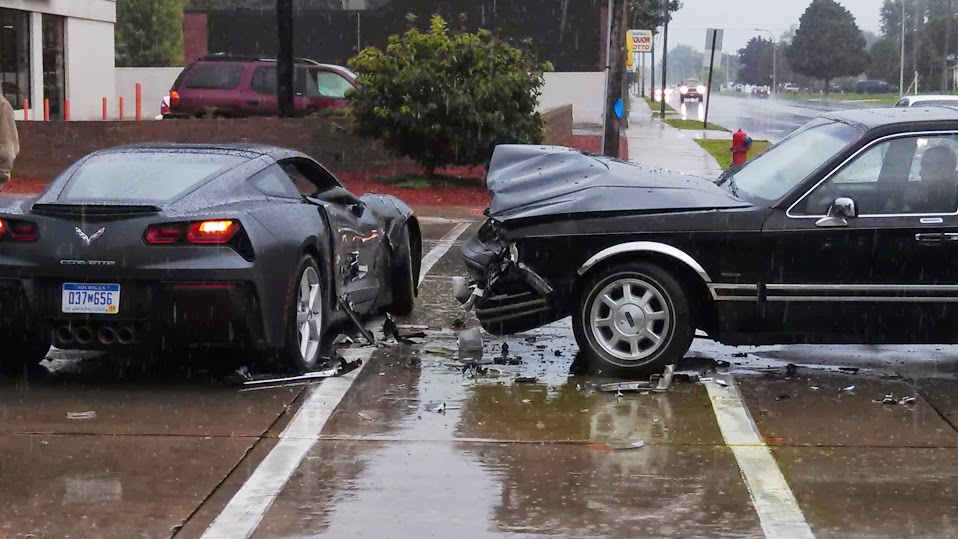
pixel 655 144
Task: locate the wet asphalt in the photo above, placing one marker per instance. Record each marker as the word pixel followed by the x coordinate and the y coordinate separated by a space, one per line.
pixel 170 445
pixel 769 119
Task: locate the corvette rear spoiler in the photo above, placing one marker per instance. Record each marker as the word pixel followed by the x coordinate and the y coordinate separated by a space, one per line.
pixel 100 210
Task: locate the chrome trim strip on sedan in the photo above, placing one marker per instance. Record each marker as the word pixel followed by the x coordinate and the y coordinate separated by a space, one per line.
pixel 865 287
pixel 836 170
pixel 734 292
pixel 646 247
pixel 863 299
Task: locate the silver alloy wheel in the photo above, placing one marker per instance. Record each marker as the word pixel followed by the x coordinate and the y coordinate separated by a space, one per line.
pixel 630 319
pixel 309 314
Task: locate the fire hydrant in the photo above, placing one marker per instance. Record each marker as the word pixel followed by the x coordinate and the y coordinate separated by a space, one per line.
pixel 741 144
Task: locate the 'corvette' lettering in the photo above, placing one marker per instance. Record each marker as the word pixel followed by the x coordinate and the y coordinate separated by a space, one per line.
pixel 88 262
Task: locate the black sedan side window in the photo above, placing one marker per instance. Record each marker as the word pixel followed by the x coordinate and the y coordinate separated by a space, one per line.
pixel 902 176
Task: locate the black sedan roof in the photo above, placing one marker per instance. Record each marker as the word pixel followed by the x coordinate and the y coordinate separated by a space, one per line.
pixel 888 116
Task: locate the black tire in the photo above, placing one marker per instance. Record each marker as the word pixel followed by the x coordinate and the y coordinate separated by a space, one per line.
pixel 26 355
pixel 289 358
pixel 403 278
pixel 675 340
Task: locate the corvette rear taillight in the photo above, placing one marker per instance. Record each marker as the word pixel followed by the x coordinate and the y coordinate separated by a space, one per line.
pixel 211 232
pixel 163 234
pixel 221 231
pixel 21 231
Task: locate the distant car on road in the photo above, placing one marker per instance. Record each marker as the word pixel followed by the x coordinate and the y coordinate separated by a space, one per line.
pixel 874 87
pixel 841 233
pixel 172 247
pixel 692 89
pixel 760 92
pixel 234 86
pixel 927 100
pixel 791 88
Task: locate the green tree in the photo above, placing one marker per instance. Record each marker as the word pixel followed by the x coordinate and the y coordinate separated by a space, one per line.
pixel 828 43
pixel 685 62
pixel 149 33
pixel 757 62
pixel 444 98
pixel 650 14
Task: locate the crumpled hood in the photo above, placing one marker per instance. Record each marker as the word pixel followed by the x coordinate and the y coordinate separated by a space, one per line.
pixel 529 181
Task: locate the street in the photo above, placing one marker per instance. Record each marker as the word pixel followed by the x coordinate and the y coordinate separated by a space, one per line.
pixel 410 445
pixel 763 119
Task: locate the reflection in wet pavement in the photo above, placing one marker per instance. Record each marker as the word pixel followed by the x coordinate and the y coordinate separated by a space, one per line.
pixel 426 445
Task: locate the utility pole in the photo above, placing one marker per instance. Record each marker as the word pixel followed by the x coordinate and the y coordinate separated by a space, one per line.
pixel 901 74
pixel 284 58
pixel 615 67
pixel 665 61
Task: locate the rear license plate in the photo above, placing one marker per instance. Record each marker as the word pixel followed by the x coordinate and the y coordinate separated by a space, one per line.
pixel 91 298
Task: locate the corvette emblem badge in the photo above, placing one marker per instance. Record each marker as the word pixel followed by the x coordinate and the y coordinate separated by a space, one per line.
pixel 89 239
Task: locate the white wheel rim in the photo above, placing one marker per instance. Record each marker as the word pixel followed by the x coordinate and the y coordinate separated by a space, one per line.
pixel 309 314
pixel 630 320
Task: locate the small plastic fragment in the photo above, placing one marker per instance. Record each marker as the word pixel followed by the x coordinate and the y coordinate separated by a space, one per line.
pixel 849 388
pixel 81 416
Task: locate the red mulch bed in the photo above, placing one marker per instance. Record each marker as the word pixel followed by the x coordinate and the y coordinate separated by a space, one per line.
pixel 476 197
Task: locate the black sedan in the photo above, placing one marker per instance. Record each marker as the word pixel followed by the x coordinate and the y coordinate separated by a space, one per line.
pixel 844 232
pixel 172 247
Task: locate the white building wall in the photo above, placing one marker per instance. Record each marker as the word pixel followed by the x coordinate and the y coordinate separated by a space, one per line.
pixel 100 10
pixel 156 82
pixel 584 91
pixel 90 69
pixel 89 51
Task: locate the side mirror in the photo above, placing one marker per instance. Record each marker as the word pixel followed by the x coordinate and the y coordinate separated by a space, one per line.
pixel 839 213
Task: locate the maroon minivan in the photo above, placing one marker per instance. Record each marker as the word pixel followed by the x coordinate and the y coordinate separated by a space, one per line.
pixel 235 87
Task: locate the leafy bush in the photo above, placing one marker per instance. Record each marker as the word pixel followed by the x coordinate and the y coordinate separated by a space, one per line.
pixel 445 98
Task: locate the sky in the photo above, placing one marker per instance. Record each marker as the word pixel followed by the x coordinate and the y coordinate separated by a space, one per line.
pixel 739 18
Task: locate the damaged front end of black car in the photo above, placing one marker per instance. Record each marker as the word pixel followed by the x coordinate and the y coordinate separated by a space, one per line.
pixel 568 230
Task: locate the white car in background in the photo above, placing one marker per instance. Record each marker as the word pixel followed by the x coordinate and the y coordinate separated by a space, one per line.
pixel 926 100
pixel 164 108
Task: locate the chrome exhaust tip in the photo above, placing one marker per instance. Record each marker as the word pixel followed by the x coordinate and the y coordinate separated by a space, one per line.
pixel 84 335
pixel 64 334
pixel 106 335
pixel 125 335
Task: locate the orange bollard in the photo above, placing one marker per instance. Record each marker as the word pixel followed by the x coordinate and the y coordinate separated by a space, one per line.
pixel 66 109
pixel 139 101
pixel 46 110
pixel 121 108
pixel 104 109
pixel 26 110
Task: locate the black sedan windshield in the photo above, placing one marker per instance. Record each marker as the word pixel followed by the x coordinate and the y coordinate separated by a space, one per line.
pixel 780 169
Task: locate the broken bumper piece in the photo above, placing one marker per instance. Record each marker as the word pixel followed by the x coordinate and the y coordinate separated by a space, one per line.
pixel 508 296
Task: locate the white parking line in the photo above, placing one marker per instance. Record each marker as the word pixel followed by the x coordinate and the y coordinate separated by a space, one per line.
pixel 777 509
pixel 440 249
pixel 244 512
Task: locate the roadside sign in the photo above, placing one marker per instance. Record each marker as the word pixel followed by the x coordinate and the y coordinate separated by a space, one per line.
pixel 713 42
pixel 640 41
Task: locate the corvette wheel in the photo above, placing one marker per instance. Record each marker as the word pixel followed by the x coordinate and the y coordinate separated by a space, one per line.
pixel 635 318
pixel 403 280
pixel 306 320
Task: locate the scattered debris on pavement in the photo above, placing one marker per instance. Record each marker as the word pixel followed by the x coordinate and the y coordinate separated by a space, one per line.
pixel 391 331
pixel 638 444
pixel 890 399
pixel 848 389
pixel 849 370
pixel 526 380
pixel 243 377
pixel 721 382
pixel 791 370
pixel 81 416
pixel 783 397
pixel 656 383
pixel 774 440
pixel 470 343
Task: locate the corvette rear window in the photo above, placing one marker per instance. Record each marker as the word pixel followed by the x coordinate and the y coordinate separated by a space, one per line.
pixel 147 176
